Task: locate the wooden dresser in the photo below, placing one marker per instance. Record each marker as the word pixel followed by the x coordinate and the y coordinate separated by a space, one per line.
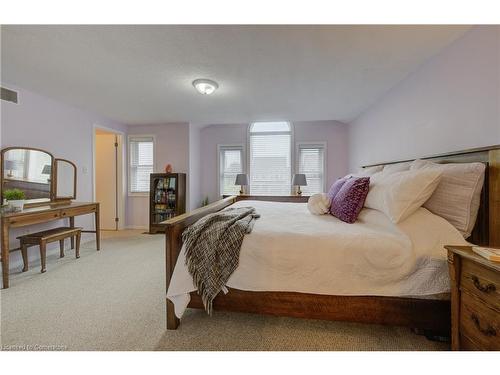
pixel 475 300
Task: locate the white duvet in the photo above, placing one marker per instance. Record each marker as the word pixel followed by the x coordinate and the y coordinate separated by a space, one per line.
pixel 293 250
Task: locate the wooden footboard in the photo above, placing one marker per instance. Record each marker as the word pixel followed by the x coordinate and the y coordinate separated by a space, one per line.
pixel 425 314
pixel 173 244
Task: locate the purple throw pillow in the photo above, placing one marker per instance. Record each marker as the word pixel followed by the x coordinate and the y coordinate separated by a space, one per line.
pixel 348 202
pixel 337 185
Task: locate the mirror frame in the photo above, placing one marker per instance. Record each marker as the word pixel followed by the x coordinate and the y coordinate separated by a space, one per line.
pixel 56 197
pixel 52 180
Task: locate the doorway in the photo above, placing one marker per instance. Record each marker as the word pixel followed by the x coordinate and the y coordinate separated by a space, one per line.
pixel 108 177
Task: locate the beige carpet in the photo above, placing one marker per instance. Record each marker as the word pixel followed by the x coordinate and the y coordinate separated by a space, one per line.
pixel 114 300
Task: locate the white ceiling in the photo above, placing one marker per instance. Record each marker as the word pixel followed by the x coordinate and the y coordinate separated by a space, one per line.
pixel 143 74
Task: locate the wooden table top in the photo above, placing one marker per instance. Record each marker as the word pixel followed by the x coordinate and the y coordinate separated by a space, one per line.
pixel 50 206
pixel 468 253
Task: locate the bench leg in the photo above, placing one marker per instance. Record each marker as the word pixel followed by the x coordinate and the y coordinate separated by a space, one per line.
pixel 72 225
pixel 61 248
pixel 24 253
pixel 78 236
pixel 43 254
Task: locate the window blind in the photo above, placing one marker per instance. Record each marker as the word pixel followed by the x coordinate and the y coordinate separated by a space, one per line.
pixel 270 159
pixel 230 164
pixel 311 162
pixel 141 159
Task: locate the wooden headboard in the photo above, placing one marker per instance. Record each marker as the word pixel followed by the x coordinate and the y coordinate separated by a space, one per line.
pixel 487 228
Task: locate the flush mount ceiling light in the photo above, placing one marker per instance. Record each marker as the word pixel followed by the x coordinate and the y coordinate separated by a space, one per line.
pixel 205 86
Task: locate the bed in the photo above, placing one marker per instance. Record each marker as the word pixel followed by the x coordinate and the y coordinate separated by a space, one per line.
pixel 378 273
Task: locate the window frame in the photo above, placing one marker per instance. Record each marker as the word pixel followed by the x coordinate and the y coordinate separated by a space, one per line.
pixel 292 153
pixel 244 161
pixel 130 138
pixel 322 144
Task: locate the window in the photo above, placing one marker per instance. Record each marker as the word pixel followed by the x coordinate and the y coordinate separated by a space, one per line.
pixel 231 163
pixel 311 162
pixel 270 158
pixel 141 162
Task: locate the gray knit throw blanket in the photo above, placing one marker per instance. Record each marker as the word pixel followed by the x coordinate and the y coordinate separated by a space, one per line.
pixel 212 249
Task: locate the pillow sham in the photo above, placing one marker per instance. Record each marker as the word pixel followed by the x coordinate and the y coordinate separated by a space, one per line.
pixel 458 194
pixel 400 194
pixel 318 204
pixel 348 202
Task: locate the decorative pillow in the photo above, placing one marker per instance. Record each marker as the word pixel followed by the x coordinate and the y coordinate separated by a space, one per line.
pixel 398 167
pixel 400 194
pixel 458 195
pixel 318 204
pixel 336 186
pixel 348 202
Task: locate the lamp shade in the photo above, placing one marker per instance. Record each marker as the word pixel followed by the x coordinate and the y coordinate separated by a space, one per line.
pixel 299 179
pixel 47 169
pixel 9 164
pixel 241 179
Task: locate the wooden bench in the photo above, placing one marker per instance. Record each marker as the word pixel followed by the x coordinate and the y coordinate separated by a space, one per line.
pixel 43 238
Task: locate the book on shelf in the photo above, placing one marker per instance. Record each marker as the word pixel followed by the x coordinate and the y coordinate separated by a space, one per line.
pixel 488 253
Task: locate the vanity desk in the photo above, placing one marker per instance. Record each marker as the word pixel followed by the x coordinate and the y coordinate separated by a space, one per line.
pixel 49 187
pixel 44 214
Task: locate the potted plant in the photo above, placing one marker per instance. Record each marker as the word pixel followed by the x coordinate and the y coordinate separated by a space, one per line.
pixel 15 198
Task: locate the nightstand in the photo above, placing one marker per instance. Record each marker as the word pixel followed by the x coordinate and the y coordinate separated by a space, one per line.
pixel 475 300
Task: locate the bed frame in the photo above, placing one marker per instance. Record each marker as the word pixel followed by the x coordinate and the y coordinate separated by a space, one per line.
pixel 421 314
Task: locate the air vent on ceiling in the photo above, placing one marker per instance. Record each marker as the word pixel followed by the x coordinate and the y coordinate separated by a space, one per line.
pixel 9 95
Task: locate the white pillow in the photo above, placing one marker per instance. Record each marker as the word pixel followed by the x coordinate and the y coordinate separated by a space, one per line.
pixel 398 167
pixel 458 195
pixel 318 204
pixel 400 194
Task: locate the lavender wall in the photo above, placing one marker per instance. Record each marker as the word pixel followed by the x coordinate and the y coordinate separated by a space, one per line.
pixel 450 103
pixel 194 175
pixel 171 146
pixel 332 132
pixel 61 129
pixel 336 136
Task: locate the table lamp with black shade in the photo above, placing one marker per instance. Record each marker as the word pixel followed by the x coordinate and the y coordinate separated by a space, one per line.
pixel 242 180
pixel 299 180
pixel 9 165
pixel 47 170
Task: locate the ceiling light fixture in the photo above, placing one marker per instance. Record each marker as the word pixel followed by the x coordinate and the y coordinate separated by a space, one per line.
pixel 205 86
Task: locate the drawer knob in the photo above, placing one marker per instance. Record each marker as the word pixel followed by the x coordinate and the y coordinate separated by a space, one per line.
pixel 486 288
pixel 489 331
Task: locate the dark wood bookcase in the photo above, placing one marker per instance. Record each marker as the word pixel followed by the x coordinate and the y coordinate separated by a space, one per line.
pixel 167 198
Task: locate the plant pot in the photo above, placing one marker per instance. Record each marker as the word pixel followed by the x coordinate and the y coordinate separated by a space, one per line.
pixel 17 205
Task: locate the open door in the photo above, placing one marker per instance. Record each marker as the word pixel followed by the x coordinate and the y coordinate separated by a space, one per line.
pixel 108 177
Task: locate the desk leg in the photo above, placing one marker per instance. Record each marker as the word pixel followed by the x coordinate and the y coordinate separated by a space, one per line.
pixel 72 225
pixel 5 255
pixel 97 229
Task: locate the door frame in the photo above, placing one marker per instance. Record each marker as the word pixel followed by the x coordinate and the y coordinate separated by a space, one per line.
pixel 121 172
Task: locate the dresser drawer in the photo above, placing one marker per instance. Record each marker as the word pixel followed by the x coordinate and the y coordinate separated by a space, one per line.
pixel 34 218
pixel 468 344
pixel 78 211
pixel 481 282
pixel 479 323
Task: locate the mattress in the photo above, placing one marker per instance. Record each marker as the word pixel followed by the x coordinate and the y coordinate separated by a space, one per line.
pixel 292 250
